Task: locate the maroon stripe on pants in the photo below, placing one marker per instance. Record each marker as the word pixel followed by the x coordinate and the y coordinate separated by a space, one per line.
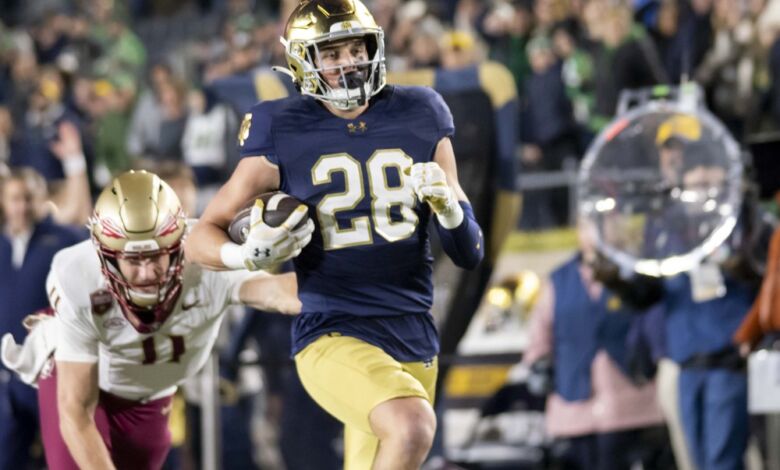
pixel 136 434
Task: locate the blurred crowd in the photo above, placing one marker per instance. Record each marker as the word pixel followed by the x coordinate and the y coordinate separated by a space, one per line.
pixel 134 77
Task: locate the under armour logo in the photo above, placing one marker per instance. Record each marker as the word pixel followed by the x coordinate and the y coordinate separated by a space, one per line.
pixel 267 252
pixel 360 127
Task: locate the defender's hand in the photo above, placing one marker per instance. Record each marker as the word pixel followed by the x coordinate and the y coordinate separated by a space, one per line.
pixel 430 185
pixel 266 246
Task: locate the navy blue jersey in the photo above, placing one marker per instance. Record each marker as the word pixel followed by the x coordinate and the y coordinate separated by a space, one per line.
pixel 367 271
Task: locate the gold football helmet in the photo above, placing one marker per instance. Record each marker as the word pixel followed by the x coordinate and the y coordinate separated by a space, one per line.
pixel 316 22
pixel 139 216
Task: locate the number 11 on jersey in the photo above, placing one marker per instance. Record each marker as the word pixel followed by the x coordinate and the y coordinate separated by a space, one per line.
pixel 150 349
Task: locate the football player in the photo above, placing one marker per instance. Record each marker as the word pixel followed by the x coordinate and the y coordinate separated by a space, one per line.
pixel 374 164
pixel 133 320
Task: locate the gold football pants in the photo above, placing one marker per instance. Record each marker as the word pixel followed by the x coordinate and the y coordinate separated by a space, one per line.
pixel 349 377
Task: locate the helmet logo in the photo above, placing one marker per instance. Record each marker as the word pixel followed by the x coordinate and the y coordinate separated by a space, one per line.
pixel 169 226
pixel 110 229
pixel 344 26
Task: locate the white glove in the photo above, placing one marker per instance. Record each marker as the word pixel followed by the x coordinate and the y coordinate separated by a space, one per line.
pixel 266 246
pixel 430 185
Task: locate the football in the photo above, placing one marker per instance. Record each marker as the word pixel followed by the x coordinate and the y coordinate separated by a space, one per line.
pixel 278 206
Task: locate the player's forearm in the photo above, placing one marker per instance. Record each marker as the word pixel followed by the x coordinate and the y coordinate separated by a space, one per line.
pixel 203 245
pixel 84 442
pixel 71 196
pixel 463 244
pixel 72 200
pixel 277 293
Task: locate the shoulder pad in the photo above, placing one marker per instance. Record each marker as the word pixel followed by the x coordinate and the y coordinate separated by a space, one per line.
pixel 255 136
pixel 76 270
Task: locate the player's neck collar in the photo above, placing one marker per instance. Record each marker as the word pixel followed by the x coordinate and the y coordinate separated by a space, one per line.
pixel 348 114
pixel 375 102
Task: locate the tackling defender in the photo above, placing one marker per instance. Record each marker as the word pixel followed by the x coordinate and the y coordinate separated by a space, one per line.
pixel 132 320
pixel 374 164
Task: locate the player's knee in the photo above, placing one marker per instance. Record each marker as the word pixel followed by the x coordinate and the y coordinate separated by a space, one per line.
pixel 417 437
pixel 409 422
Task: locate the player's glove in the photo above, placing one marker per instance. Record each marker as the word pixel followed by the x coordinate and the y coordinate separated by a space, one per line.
pixel 266 246
pixel 430 185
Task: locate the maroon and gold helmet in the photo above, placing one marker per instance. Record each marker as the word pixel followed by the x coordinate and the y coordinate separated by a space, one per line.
pixel 139 216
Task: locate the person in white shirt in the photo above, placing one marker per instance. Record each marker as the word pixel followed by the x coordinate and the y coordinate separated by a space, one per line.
pixel 133 320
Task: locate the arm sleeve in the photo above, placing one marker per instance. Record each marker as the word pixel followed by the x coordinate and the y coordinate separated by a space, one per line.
pixel 463 244
pixel 751 330
pixel 255 134
pixel 79 339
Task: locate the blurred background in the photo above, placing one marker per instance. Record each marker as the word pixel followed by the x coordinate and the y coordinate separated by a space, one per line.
pixel 163 84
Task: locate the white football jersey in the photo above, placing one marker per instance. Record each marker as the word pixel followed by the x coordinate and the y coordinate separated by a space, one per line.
pixel 133 365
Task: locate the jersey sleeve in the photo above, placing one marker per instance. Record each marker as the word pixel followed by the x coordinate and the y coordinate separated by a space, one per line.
pixel 224 286
pixel 78 340
pixel 255 136
pixel 442 115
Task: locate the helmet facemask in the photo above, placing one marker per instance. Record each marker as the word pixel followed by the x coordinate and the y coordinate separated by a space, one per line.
pixel 146 311
pixel 367 79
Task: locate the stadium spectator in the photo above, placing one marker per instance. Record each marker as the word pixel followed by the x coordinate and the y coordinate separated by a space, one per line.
pixel 28 242
pixel 600 418
pixel 727 71
pixel 143 135
pixel 549 135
